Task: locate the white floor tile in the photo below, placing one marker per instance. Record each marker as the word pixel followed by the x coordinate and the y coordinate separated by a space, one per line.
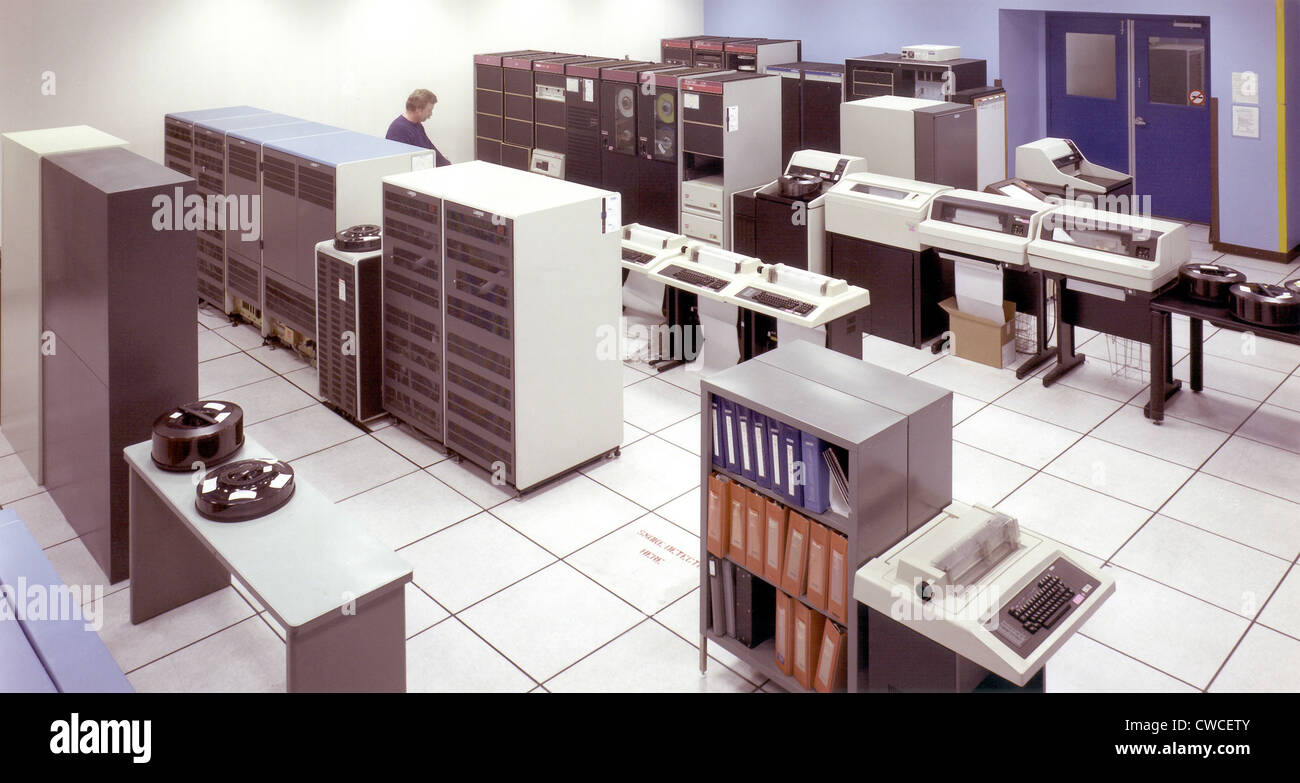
pixel 980 477
pixel 632 435
pixel 1244 380
pixel 303 432
pixel 472 560
pixel 1122 473
pixel 471 481
pixel 650 472
pixel 974 380
pixel 15 482
pixel 212 346
pixel 421 611
pixel 550 620
pixel 351 468
pixel 568 514
pixel 682 617
pixel 1000 431
pixel 410 444
pixel 1222 572
pixel 1252 349
pixel 134 646
pixel 43 518
pixel 647 659
pixel 632 375
pixel 1173 439
pixel 213 318
pixel 408 509
pixel 685 434
pixel 1088 521
pixel 237 369
pixel 280 359
pixel 449 658
pixel 1282 613
pixel 267 399
pixel 1274 426
pixel 688 376
pixel 6 448
pixel 1264 662
pixel 1254 268
pixel 1099 378
pixel 1174 632
pixel 1061 405
pixel 649 563
pixel 243 336
pixel 964 407
pixel 75 566
pixel 895 356
pixel 653 404
pixel 305 379
pixel 683 511
pixel 1259 466
pixel 1288 394
pixel 1233 511
pixel 1084 666
pixel 1209 407
pixel 251 660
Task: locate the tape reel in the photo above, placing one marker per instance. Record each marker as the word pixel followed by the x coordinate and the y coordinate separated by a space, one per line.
pixel 666 108
pixel 207 431
pixel 359 239
pixel 244 489
pixel 625 100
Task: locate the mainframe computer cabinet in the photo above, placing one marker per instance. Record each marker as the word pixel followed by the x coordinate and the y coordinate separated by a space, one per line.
pixel 125 349
pixel 20 286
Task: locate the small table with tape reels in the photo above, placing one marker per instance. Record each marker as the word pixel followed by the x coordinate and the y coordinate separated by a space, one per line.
pixel 207 502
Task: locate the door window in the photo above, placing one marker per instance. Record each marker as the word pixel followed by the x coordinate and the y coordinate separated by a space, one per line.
pixel 1176 68
pixel 1090 65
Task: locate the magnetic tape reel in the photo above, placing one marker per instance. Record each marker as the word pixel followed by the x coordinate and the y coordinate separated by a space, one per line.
pixel 666 108
pixel 626 101
pixel 244 489
pixel 1209 282
pixel 206 432
pixel 1264 304
pixel 359 239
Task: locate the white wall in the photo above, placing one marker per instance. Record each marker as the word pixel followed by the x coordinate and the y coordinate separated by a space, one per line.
pixel 120 65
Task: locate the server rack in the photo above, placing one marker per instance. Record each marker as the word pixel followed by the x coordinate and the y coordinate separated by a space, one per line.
pixel 210 179
pixel 712 52
pixel 512 245
pixel 178 133
pixel 126 343
pixel 680 51
pixel 518 139
pixel 620 122
pixel 489 99
pixel 810 106
pixel 349 329
pixel 243 261
pixel 873 75
pixel 582 120
pixel 314 187
pixel 549 109
pixel 757 54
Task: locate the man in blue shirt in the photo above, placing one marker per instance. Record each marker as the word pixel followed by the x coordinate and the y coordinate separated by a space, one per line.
pixel 408 127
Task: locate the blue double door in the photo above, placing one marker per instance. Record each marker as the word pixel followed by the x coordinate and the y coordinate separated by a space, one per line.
pixel 1134 95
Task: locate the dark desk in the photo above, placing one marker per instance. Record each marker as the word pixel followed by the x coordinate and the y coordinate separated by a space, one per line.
pixel 1163 308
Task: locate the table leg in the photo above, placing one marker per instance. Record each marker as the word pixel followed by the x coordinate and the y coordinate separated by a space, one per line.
pixel 169 566
pixel 1196 360
pixel 1163 384
pixel 1066 358
pixel 363 652
pixel 1041 352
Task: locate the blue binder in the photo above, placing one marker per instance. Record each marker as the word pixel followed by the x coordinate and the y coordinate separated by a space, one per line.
pixel 817 480
pixel 774 461
pixel 791 460
pixel 730 445
pixel 762 466
pixel 717 433
pixel 744 437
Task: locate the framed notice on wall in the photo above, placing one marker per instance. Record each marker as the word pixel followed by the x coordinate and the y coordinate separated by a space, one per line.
pixel 1245 121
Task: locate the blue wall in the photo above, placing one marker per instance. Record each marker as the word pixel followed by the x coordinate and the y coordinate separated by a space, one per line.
pixel 1009 34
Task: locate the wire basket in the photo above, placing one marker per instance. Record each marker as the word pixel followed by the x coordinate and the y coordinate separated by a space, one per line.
pixel 1129 359
pixel 1027 329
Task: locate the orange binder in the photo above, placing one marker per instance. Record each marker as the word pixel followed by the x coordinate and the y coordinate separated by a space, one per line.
pixel 807 638
pixel 716 523
pixel 774 542
pixel 830 661
pixel 837 579
pixel 738 502
pixel 818 558
pixel 755 521
pixel 796 555
pixel 784 625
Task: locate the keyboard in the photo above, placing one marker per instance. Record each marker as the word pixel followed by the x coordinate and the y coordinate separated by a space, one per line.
pixel 636 257
pixel 691 277
pixel 776 301
pixel 1049 603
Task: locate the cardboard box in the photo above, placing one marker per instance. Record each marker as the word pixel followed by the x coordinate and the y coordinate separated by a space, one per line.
pixel 979 339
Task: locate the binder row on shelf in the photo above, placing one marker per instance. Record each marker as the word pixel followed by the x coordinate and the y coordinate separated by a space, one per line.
pixel 804 558
pixel 800 468
pixel 809 647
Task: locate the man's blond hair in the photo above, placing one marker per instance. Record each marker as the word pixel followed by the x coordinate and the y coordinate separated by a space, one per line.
pixel 419 99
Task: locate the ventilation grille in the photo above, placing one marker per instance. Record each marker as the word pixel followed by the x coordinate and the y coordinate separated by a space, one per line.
pixel 243 163
pixel 477 316
pixel 484 357
pixel 279 175
pixel 337 371
pixel 471 445
pixel 243 279
pixel 296 310
pixel 582 146
pixel 480 417
pixel 481 387
pixel 316 186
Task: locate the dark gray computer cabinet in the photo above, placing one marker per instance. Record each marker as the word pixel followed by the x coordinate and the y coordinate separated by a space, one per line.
pixel 120 344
